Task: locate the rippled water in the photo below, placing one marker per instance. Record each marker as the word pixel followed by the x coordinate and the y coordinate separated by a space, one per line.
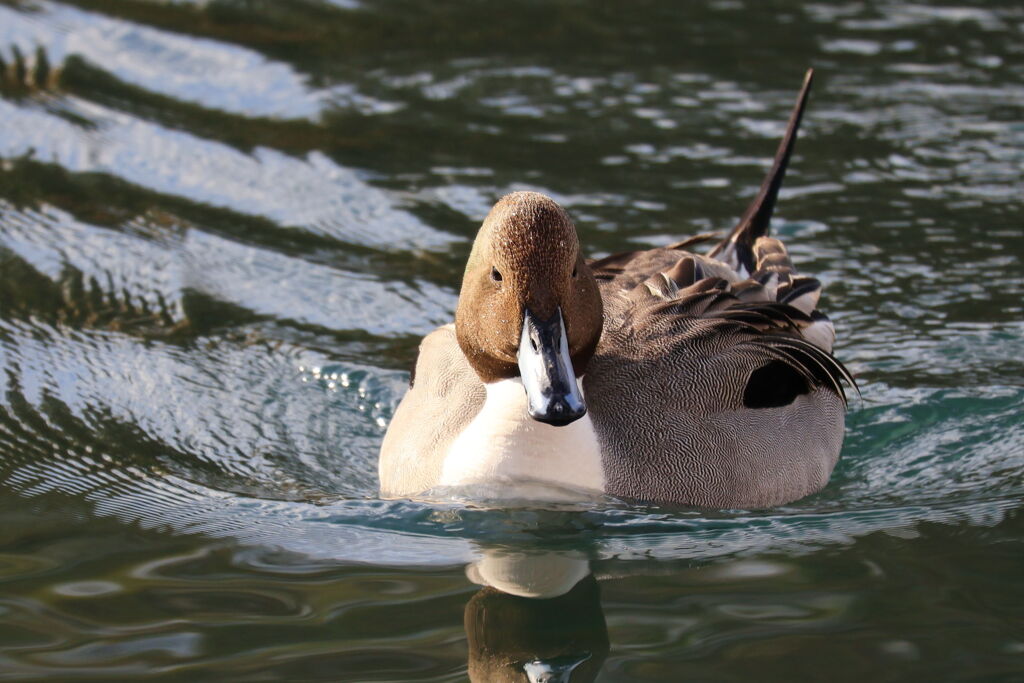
pixel 224 227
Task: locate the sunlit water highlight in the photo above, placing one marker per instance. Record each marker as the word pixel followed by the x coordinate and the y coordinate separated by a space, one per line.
pixel 221 240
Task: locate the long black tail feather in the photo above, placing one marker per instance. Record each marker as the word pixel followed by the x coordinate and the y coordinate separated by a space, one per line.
pixel 737 248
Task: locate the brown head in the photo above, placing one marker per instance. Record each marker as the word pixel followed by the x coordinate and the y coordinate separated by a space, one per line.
pixel 525 283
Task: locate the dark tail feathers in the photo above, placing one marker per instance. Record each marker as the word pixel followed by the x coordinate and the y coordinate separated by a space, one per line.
pixel 737 248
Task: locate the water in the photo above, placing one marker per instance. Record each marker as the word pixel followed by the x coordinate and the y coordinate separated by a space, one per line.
pixel 224 227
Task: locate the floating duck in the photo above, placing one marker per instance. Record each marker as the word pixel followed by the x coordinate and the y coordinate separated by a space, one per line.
pixel 660 375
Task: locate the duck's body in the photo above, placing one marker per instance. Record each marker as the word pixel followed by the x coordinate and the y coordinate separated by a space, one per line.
pixel 658 375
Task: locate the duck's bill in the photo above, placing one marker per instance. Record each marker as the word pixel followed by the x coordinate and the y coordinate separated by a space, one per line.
pixel 552 392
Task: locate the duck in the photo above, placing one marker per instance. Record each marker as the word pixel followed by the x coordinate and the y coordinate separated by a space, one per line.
pixel 659 376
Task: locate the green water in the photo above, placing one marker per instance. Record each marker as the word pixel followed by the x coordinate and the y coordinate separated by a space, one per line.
pixel 224 227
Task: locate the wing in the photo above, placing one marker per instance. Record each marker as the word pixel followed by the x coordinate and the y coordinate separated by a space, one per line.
pixel 770 316
pixel 745 291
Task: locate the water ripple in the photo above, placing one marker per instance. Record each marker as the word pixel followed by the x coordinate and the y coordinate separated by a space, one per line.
pixel 215 259
pixel 312 194
pixel 209 73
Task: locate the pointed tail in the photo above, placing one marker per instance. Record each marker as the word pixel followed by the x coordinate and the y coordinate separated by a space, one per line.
pixel 737 248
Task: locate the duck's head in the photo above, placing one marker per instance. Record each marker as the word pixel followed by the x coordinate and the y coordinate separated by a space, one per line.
pixel 530 306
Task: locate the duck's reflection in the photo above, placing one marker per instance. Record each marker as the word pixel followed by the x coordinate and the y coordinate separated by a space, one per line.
pixel 538 619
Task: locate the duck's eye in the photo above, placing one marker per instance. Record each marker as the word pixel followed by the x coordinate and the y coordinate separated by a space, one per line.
pixel 495 275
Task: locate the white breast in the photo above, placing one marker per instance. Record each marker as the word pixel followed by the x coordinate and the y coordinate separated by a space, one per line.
pixel 504 446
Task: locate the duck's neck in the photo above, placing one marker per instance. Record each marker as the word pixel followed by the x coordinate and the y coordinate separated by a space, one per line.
pixel 505 448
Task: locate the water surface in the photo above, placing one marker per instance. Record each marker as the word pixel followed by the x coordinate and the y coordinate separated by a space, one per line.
pixel 224 227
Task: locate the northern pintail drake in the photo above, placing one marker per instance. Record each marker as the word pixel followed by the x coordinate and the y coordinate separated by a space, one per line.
pixel 660 375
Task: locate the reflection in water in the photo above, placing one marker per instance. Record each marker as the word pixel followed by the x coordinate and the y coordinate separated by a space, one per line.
pixel 538 618
pixel 529 575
